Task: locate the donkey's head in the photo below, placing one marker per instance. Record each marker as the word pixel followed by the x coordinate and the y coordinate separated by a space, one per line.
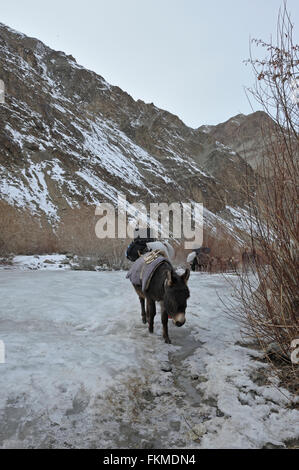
pixel 176 295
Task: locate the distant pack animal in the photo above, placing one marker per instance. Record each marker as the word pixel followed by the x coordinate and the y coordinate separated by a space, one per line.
pixel 160 283
pixel 199 259
pixel 213 265
pixel 250 259
pixel 233 264
pixel 203 260
pixel 222 263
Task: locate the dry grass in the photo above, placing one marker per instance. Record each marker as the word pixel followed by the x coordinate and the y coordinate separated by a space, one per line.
pixel 22 233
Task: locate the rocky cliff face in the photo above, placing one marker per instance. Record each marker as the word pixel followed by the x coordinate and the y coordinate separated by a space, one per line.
pixel 244 134
pixel 69 138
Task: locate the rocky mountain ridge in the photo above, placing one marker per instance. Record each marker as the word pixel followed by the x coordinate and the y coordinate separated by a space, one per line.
pixel 246 135
pixel 68 138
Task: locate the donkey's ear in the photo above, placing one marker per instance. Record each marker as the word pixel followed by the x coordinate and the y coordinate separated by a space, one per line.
pixel 186 275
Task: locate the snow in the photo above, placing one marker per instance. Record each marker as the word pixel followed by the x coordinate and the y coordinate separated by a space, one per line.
pixel 108 155
pixel 17 136
pixel 253 415
pixel 31 188
pixel 37 262
pixel 236 221
pixel 82 370
pixel 242 219
pixel 39 188
pixel 206 128
pixel 98 185
pixel 15 192
pixel 235 121
pixel 225 148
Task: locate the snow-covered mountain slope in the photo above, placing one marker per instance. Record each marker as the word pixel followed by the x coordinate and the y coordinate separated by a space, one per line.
pixel 69 138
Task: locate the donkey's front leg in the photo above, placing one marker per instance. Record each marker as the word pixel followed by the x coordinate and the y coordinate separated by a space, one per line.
pixel 150 314
pixel 164 319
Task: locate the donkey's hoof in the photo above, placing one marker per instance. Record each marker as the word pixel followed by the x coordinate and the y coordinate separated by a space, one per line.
pixel 167 340
pixel 144 320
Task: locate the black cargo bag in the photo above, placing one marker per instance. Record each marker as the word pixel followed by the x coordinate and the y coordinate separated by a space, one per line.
pixel 136 248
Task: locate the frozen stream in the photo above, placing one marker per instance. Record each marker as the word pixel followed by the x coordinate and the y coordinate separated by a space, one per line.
pixel 82 370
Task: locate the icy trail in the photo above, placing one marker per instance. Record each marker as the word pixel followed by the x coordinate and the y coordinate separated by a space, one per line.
pixel 82 370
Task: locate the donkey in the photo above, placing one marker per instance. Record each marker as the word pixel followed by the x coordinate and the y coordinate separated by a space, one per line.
pixel 203 260
pixel 171 290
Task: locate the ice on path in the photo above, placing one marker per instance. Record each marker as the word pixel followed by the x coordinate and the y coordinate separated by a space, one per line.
pixel 82 371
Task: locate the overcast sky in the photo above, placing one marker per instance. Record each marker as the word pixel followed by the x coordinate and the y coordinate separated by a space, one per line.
pixel 185 56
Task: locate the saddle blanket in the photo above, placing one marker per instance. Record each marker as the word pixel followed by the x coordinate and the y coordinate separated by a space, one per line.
pixel 144 267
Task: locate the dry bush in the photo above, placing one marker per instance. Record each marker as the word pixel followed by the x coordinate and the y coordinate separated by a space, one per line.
pixel 271 308
pixel 180 253
pixel 113 253
pixel 221 243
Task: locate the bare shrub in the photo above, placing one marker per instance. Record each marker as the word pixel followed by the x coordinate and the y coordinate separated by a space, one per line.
pixel 223 248
pixel 220 241
pixel 271 305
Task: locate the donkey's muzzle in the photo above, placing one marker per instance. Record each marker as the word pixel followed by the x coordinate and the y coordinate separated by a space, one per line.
pixel 179 319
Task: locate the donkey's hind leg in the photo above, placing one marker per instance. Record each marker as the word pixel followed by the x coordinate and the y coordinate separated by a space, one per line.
pixel 150 314
pixel 143 312
pixel 142 302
